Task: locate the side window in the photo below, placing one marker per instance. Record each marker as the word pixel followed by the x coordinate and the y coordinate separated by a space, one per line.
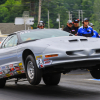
pixel 2 46
pixel 10 42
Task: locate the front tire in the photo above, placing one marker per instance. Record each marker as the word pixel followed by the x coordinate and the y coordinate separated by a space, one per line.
pixel 33 73
pixel 2 83
pixel 51 79
pixel 95 73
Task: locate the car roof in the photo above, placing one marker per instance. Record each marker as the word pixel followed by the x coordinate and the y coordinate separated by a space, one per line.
pixel 31 30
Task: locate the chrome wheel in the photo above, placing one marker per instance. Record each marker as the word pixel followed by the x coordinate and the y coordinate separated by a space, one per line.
pixel 33 73
pixel 30 69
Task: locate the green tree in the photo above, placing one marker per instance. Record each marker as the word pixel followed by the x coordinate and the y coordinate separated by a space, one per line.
pixel 95 18
pixel 2 1
pixel 9 10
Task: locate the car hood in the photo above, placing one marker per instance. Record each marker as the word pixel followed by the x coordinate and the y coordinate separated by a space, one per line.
pixel 68 43
pixel 64 43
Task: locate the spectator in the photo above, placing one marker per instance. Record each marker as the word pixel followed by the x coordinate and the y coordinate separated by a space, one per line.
pixel 75 26
pixel 85 30
pixel 68 28
pixel 41 25
pixel 95 33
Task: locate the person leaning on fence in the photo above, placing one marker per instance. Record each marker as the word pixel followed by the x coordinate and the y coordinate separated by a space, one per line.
pixel 85 30
pixel 68 27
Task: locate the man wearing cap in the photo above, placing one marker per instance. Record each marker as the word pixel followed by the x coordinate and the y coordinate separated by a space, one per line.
pixel 41 25
pixel 75 26
pixel 95 33
pixel 85 30
pixel 68 28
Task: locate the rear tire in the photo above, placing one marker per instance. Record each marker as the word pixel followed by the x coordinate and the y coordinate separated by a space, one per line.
pixel 51 79
pixel 33 73
pixel 2 83
pixel 95 73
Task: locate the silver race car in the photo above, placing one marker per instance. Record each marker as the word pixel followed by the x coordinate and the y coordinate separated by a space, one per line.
pixel 47 53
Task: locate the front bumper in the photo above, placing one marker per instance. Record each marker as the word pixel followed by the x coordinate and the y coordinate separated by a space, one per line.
pixel 74 63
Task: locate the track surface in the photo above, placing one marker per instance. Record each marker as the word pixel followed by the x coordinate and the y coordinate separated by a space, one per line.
pixel 77 85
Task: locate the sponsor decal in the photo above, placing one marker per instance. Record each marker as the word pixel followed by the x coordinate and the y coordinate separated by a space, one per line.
pixel 22 71
pixel 20 64
pixel 41 66
pixel 9 70
pixel 16 65
pixel 8 75
pixel 46 59
pixel 49 62
pixel 7 67
pixel 11 65
pixel 12 69
pixel 19 72
pixel 6 71
pixel 11 74
pixel 38 57
pixel 24 32
pixel 15 72
pixel 1 73
pixel 0 69
pixel 4 76
pixel 21 67
pixel 17 68
pixel 3 68
pixel 39 61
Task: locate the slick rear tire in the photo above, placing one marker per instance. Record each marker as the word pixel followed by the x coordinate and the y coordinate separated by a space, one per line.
pixel 95 73
pixel 33 73
pixel 2 83
pixel 51 79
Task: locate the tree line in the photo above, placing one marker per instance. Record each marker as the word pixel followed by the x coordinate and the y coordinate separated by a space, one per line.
pixel 9 9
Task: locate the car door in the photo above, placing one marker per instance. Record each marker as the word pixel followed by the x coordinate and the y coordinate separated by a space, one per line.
pixel 8 51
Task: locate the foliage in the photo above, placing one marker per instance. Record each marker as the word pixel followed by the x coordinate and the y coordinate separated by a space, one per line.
pixel 9 9
pixel 2 1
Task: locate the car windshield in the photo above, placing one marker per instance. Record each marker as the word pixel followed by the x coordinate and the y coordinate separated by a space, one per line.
pixel 41 34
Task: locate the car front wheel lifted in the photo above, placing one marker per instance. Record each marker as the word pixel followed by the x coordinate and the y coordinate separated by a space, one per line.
pixel 33 73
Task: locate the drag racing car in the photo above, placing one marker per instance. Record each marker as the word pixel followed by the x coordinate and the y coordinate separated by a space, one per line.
pixel 46 53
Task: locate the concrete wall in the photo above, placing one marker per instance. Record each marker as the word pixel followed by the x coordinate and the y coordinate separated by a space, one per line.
pixel 8 28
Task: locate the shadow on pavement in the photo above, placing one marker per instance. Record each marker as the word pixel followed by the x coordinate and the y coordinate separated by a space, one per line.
pixel 56 92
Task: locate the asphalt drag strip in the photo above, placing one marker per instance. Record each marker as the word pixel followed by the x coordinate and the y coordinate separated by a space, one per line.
pixel 76 85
